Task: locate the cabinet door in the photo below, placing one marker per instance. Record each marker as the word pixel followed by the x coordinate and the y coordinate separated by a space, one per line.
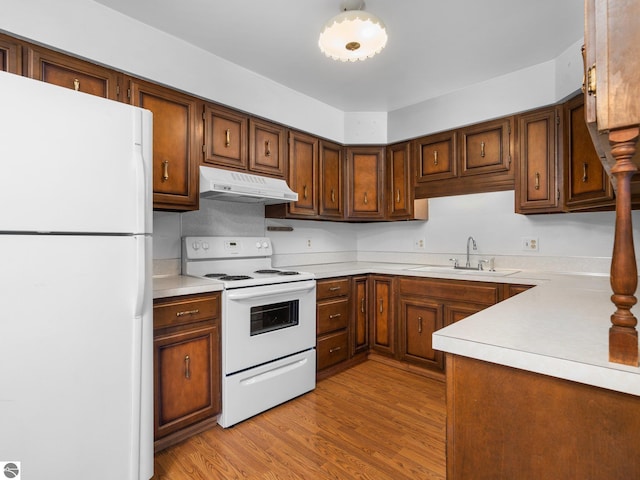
pixel 303 173
pixel 225 136
pixel 399 181
pixel 187 378
pixel 486 148
pixel 381 308
pixel 10 55
pixel 360 318
pixel 586 183
pixel 331 183
pixel 365 177
pixel 454 312
pixel 267 148
pixel 537 188
pixel 436 157
pixel 176 141
pixel 419 318
pixel 58 69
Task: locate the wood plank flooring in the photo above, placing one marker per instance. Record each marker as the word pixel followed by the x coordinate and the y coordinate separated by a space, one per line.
pixel 372 421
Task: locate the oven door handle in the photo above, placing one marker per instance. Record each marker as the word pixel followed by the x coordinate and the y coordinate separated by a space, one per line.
pixel 237 295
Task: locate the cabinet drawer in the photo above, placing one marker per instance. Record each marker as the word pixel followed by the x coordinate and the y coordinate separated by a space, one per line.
pixel 331 288
pixel 182 310
pixel 332 315
pixel 453 290
pixel 332 349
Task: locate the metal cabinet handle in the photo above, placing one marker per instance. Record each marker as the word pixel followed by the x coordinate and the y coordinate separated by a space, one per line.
pixel 381 305
pixel 304 192
pixel 333 196
pixel 267 148
pixel 419 324
pixel 165 170
pixel 362 305
pixel 76 84
pixel 398 196
pixel 591 80
pixel 187 312
pixel 482 149
pixel 366 200
pixel 537 184
pixel 187 367
pixel 334 349
pixel 227 142
pixel 585 175
pixel 335 315
pixel 334 289
pixel 435 157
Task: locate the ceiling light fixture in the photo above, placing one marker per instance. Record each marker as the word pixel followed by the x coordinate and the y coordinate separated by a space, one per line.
pixel 353 34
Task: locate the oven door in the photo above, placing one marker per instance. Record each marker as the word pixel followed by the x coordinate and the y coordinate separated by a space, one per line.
pixel 268 322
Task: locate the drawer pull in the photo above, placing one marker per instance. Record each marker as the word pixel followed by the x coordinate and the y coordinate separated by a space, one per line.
pixel 334 289
pixel 585 175
pixel 76 84
pixel 419 324
pixel 187 367
pixel 334 349
pixel 482 149
pixel 435 157
pixel 537 181
pixel 227 140
pixel 187 312
pixel 335 315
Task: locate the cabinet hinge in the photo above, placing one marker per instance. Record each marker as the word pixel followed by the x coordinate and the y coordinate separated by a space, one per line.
pixel 509 129
pixel 128 93
pixel 509 160
pixel 204 115
pixel 558 194
pixel 204 148
pixel 118 90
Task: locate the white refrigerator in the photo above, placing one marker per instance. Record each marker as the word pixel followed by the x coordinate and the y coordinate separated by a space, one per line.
pixel 76 358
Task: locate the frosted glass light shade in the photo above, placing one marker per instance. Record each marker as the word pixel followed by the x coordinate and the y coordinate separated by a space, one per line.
pixel 353 35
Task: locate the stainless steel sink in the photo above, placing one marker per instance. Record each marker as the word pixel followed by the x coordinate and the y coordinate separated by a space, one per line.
pixel 499 272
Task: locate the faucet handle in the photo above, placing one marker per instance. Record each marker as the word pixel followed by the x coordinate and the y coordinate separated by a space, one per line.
pixel 481 264
pixel 455 262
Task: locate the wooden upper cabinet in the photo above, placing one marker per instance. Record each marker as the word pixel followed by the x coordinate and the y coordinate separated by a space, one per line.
pixel 331 180
pixel 176 144
pixel 365 175
pixel 65 71
pixel 399 181
pixel 10 55
pixel 537 186
pixel 486 147
pixel 267 148
pixel 303 173
pixel 436 157
pixel 225 137
pixel 587 185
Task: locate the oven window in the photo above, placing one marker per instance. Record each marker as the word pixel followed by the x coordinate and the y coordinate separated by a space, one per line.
pixel 267 318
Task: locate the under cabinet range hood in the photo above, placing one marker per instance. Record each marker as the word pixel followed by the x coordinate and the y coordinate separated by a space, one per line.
pixel 232 186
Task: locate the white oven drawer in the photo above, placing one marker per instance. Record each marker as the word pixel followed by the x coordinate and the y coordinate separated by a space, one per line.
pixel 248 393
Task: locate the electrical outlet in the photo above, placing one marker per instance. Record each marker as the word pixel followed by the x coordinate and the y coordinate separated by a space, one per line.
pixel 418 244
pixel 309 244
pixel 530 244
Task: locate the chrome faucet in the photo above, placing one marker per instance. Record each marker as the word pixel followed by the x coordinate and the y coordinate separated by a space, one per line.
pixel 470 241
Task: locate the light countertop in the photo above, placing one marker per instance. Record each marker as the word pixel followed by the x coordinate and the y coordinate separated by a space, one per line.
pixel 559 328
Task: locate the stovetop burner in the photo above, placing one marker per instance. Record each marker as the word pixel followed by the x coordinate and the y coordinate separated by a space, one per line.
pixel 215 275
pixel 267 270
pixel 232 278
pixel 289 272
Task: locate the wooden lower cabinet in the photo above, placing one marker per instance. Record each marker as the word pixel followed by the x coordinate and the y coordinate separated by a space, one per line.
pixel 505 424
pixel 381 315
pixel 187 382
pixel 360 318
pixel 333 311
pixel 418 319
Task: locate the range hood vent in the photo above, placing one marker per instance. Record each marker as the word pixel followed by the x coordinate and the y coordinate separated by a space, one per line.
pixel 233 186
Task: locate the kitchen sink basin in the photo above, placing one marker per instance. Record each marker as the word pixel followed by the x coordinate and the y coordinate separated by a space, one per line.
pixel 500 272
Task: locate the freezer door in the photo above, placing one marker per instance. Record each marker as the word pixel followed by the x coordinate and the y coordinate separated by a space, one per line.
pixel 75 356
pixel 72 162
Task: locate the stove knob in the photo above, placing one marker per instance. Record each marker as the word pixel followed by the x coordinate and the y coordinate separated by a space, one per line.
pixel 265 244
pixel 205 245
pixel 258 244
pixel 196 246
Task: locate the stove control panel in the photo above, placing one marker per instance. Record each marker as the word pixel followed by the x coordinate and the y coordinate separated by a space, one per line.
pixel 195 248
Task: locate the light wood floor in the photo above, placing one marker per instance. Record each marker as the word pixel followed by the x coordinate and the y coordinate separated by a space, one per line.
pixel 372 421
